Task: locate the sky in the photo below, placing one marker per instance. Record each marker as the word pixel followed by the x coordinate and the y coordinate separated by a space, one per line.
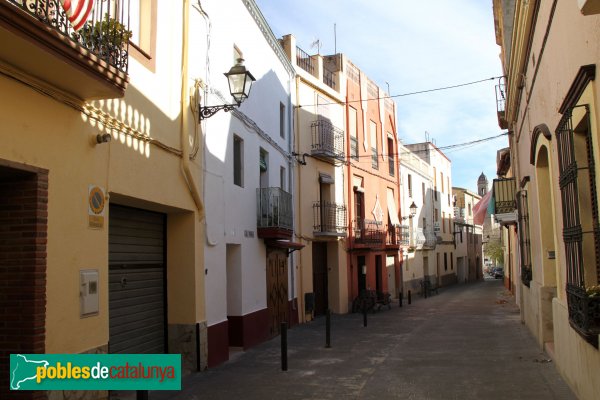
pixel 413 46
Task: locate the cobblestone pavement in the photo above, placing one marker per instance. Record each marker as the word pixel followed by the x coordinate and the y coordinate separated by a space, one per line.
pixel 467 342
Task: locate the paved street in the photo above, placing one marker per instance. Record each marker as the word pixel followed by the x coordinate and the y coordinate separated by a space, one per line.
pixel 465 343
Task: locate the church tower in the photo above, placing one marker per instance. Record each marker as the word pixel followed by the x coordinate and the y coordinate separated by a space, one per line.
pixel 482 185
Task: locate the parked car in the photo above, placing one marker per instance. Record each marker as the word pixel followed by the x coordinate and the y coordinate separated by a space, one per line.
pixel 498 273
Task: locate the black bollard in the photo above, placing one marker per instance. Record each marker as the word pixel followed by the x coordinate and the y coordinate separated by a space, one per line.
pixel 328 329
pixel 400 295
pixel 284 363
pixel 409 299
pixel 365 317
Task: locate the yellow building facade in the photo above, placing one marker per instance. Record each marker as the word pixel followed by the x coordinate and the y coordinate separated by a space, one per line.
pixel 550 106
pixel 101 237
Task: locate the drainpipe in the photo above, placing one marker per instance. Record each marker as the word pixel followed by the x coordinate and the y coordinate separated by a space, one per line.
pixel 185 116
pixel 291 182
pixel 300 266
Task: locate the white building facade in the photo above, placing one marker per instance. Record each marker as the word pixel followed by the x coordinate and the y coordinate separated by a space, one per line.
pixel 248 181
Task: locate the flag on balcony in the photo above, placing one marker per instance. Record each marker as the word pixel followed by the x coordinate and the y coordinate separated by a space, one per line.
pixel 78 11
pixel 482 208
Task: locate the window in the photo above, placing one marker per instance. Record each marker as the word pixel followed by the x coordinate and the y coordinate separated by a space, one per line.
pixel 442 180
pixel 282 120
pixel 423 190
pixel 238 161
pixel 409 183
pixel 443 222
pixel 452 261
pixel 580 215
pixel 353 135
pixel 470 210
pixel 391 158
pixel 524 240
pixel 263 163
pixel 374 152
pixel 445 261
pixel 142 24
pixel 282 178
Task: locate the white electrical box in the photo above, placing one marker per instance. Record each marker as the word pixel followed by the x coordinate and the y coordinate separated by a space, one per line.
pixel 88 292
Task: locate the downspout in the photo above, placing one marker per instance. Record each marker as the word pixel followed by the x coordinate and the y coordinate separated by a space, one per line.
pixel 300 265
pixel 290 174
pixel 185 116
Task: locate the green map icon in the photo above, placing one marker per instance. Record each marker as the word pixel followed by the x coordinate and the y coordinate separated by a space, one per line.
pixel 23 370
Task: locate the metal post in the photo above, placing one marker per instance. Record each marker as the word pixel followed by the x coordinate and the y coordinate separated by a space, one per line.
pixel 400 295
pixel 409 299
pixel 328 329
pixel 284 364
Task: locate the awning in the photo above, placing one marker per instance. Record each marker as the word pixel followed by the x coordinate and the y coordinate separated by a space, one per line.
pixel 391 205
pixel 284 244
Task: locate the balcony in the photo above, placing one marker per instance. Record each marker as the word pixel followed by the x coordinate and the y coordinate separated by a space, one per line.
pixel 368 233
pixel 327 141
pixel 304 61
pixel 273 213
pixel 505 209
pixel 425 239
pixel 38 41
pixel 501 104
pixel 329 78
pixel 397 236
pixel 584 313
pixel 329 219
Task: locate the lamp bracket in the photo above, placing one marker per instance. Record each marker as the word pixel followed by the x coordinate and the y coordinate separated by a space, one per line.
pixel 209 111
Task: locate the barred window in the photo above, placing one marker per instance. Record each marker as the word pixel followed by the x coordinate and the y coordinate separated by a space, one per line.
pixel 580 217
pixel 524 238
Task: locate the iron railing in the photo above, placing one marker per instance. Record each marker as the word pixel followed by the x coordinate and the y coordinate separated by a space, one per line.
pixel 329 218
pixel 374 158
pixel 105 34
pixel 328 78
pixel 274 208
pixel 327 140
pixel 354 148
pixel 397 235
pixel 584 313
pixel 430 239
pixel 504 195
pixel 304 61
pixel 368 232
pixel 501 104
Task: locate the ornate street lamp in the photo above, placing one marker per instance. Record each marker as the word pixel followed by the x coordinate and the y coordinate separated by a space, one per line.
pixel 240 82
pixel 413 211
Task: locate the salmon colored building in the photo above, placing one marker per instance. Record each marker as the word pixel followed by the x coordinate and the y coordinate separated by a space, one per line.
pixel 375 236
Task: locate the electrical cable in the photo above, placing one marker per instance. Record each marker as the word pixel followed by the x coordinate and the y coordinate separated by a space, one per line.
pixel 404 94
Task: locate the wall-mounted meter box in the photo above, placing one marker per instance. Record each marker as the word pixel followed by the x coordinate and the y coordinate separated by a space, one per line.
pixel 88 292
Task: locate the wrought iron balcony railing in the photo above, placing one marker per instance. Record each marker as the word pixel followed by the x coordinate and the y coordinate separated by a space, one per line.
pixel 329 219
pixel 354 148
pixel 430 240
pixel 501 104
pixel 304 61
pixel 327 141
pixel 584 313
pixel 368 232
pixel 328 78
pixel 374 158
pixel 397 235
pixel 105 33
pixel 505 210
pixel 274 211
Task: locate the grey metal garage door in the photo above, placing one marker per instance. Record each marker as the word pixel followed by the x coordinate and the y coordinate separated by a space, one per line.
pixel 136 281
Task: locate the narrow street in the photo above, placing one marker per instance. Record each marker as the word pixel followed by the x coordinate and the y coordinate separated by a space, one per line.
pixel 467 342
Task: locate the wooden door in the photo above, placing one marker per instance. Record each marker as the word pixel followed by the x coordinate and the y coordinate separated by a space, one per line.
pixel 320 281
pixel 277 289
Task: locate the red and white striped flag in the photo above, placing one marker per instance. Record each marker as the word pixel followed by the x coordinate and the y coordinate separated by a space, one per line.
pixel 78 11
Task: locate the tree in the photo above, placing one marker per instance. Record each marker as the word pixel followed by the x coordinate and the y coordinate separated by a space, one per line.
pixel 494 250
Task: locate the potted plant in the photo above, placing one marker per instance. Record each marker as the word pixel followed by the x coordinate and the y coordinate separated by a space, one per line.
pixel 107 38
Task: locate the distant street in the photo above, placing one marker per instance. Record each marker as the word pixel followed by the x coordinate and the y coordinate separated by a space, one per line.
pixel 467 342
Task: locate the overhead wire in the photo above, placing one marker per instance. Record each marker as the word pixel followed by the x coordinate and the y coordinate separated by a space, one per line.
pixel 404 94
